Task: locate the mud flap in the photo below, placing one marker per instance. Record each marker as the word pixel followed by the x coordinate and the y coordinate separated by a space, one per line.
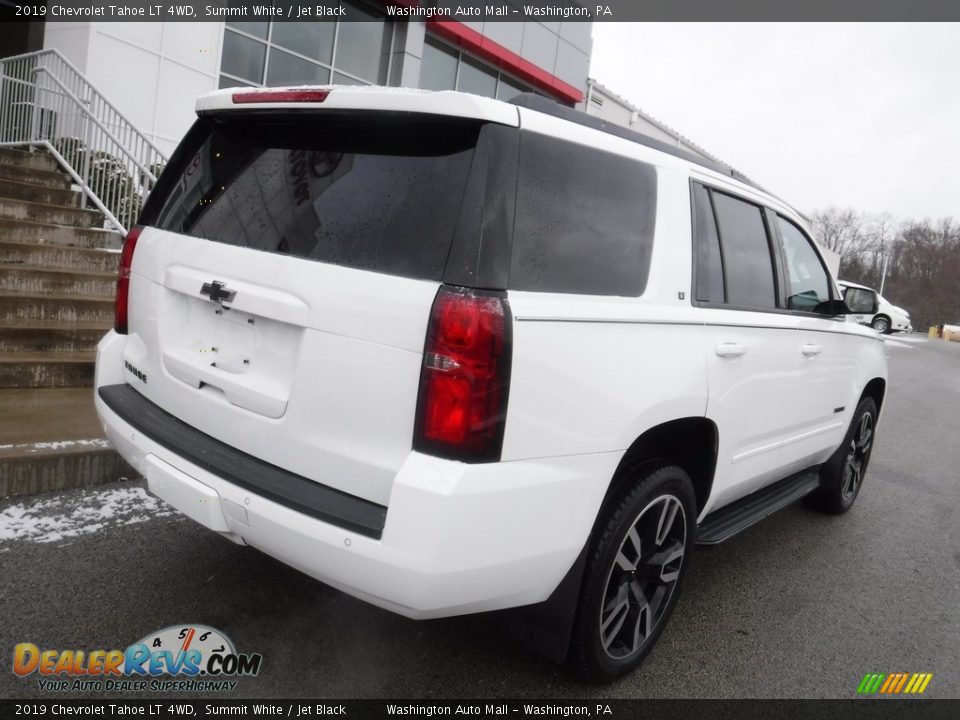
pixel 545 628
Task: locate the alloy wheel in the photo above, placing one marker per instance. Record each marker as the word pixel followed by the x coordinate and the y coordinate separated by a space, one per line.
pixel 643 577
pixel 855 464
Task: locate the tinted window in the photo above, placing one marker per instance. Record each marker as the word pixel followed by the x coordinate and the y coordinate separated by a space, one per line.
pixel 709 259
pixel 807 283
pixel 746 253
pixel 585 219
pixel 351 190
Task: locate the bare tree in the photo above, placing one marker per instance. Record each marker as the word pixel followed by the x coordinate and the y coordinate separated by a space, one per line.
pixel 839 230
pixel 923 259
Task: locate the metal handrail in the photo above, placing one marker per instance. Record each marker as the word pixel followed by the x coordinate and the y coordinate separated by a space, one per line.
pixel 46 102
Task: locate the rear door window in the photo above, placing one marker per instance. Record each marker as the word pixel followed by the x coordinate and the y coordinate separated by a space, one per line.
pixel 585 219
pixel 368 192
pixel 733 253
pixel 748 263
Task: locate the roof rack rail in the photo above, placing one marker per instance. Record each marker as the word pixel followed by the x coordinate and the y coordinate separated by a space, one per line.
pixel 532 101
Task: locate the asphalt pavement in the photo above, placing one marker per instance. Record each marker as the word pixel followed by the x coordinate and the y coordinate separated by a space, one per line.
pixel 802 605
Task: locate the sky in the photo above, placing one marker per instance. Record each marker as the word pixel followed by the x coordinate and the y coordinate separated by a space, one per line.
pixel 861 115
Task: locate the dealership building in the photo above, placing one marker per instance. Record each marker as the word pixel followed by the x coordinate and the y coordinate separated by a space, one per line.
pixel 153 71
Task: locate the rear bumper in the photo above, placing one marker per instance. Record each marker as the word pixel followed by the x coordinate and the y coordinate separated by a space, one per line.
pixel 456 538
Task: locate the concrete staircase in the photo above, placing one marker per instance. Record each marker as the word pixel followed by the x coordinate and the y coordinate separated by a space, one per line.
pixel 57 282
pixel 57 276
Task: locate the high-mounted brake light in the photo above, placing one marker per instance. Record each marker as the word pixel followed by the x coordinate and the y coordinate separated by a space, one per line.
pixel 121 305
pixel 280 96
pixel 465 380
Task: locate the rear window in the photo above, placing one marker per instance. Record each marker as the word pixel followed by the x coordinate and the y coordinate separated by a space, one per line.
pixel 585 219
pixel 379 193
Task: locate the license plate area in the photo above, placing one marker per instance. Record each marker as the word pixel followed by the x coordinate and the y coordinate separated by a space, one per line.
pixel 229 354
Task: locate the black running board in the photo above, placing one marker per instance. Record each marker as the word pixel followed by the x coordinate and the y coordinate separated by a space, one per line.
pixel 736 517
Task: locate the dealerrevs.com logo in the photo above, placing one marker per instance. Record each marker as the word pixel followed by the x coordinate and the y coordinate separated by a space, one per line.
pixel 180 658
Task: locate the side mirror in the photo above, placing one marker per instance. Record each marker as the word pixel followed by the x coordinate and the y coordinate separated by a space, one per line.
pixel 861 301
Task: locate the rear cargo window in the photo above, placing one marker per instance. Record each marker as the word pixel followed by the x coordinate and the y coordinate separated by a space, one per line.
pixel 585 219
pixel 369 192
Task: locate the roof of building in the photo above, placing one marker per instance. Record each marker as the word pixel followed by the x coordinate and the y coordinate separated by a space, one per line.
pixel 652 120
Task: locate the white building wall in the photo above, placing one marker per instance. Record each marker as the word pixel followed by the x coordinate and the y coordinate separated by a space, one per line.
pixel 609 106
pixel 152 72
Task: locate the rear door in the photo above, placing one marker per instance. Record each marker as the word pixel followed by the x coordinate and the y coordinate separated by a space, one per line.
pixel 753 362
pixel 281 288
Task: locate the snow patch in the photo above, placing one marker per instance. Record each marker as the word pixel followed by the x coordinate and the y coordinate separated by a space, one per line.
pixel 60 517
pixel 912 338
pixel 94 443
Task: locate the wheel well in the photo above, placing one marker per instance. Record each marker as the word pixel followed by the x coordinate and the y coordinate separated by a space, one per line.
pixel 876 389
pixel 690 443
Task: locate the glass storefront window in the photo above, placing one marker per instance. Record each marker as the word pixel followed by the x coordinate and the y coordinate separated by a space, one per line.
pixel 475 78
pixel 438 68
pixel 287 69
pixel 312 39
pixel 363 49
pixel 288 53
pixel 257 29
pixel 507 89
pixel 242 57
pixel 445 68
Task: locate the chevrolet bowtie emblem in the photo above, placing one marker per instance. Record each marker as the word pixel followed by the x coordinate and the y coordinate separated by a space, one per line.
pixel 218 292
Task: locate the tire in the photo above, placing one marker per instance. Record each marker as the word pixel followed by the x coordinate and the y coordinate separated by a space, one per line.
pixel 636 563
pixel 881 323
pixel 841 477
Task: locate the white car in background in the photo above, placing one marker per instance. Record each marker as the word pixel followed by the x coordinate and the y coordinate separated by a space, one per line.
pixel 882 315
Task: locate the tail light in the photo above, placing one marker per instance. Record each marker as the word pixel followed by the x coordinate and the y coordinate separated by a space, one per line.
pixel 465 380
pixel 123 280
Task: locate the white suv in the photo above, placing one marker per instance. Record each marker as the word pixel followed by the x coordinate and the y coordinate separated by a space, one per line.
pixel 452 355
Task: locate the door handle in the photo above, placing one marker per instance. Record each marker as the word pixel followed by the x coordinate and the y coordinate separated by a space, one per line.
pixel 811 349
pixel 730 350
